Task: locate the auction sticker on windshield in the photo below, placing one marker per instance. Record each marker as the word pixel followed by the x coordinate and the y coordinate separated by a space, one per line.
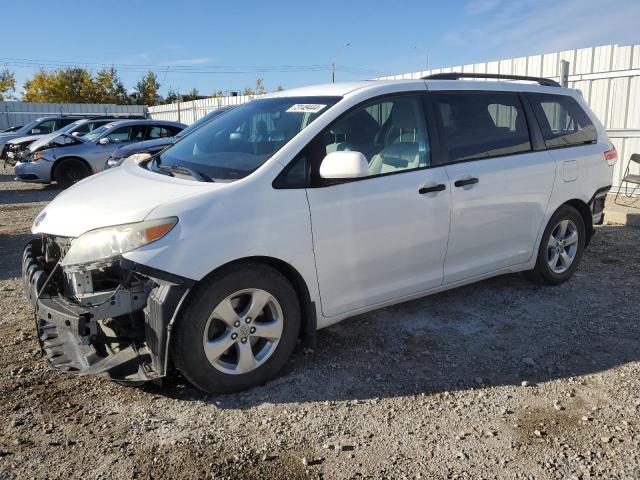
pixel 306 108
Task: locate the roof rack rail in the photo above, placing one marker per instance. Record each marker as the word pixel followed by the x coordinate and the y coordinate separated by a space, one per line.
pixel 457 75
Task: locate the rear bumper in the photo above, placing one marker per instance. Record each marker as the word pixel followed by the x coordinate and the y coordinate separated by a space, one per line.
pixel 596 205
pixel 73 338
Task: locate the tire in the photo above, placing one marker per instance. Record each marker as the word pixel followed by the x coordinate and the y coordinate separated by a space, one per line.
pixel 561 247
pixel 70 171
pixel 223 367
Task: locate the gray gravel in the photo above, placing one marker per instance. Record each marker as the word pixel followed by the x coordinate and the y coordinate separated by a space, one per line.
pixel 502 379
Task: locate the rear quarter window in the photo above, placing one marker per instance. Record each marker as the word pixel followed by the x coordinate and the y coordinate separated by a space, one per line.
pixel 562 120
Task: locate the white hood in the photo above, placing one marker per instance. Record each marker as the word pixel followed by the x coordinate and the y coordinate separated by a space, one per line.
pixel 120 195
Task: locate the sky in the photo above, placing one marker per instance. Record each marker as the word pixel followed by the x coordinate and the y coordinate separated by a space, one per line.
pixel 217 45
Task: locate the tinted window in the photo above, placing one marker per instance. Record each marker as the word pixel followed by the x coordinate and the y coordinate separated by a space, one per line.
pixel 562 120
pixel 133 133
pixel 391 134
pixel 158 131
pixel 481 125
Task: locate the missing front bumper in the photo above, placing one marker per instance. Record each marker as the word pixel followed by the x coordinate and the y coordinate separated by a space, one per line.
pixel 83 340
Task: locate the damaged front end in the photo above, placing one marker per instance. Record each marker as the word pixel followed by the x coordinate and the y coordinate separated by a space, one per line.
pixel 109 318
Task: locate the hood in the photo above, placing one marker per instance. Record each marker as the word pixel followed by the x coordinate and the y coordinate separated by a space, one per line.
pixel 141 147
pixel 113 197
pixel 29 138
pixel 44 140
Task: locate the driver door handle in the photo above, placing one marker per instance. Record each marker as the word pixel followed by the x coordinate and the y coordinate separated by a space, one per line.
pixel 436 188
pixel 466 181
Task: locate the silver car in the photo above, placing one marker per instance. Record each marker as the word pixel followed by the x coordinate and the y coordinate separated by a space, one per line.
pixel 78 157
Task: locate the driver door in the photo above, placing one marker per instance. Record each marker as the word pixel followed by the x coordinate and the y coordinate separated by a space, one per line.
pixel 381 237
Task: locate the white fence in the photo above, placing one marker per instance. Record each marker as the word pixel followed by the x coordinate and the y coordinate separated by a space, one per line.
pixel 189 112
pixel 21 113
pixel 608 76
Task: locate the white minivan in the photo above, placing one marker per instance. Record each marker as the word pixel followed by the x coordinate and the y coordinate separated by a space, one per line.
pixel 297 210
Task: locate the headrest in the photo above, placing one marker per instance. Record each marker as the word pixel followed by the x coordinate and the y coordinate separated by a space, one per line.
pixel 403 116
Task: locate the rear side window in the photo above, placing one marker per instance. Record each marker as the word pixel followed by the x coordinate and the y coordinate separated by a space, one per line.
pixel 481 125
pixel 562 120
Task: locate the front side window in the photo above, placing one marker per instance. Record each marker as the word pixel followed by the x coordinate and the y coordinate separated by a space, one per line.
pixel 45 127
pixel 132 133
pixel 233 145
pixel 562 120
pixel 482 125
pixel 391 134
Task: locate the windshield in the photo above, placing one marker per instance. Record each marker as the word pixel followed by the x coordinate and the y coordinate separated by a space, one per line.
pixel 235 144
pixel 203 120
pixel 97 132
pixel 71 126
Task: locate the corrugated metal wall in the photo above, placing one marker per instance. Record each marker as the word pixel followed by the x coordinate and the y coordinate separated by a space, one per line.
pixel 21 113
pixel 608 76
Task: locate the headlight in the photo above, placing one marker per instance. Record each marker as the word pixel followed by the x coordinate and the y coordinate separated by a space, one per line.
pixel 103 243
pixel 36 156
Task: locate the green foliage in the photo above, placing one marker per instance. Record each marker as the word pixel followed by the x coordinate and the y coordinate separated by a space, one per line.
pixel 147 89
pixel 7 84
pixel 75 85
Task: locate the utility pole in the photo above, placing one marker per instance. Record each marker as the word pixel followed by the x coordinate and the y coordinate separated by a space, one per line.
pixel 564 73
pixel 425 51
pixel 333 62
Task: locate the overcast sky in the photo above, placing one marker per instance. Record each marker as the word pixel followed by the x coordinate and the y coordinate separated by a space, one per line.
pixel 227 45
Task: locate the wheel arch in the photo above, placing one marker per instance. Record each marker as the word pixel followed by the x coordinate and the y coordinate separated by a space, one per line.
pixel 585 213
pixel 69 157
pixel 308 325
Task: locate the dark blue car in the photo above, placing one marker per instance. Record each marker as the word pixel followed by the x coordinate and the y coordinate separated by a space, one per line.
pixel 158 144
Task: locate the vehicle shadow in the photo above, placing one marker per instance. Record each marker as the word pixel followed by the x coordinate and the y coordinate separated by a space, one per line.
pixel 497 332
pixel 34 194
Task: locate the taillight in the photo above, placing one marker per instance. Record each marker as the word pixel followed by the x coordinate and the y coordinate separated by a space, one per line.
pixel 611 156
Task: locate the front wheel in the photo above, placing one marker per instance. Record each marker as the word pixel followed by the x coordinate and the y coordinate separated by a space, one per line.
pixel 238 329
pixel 70 171
pixel 561 247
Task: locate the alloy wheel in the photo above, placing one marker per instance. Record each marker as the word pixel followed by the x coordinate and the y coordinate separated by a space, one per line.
pixel 562 246
pixel 243 331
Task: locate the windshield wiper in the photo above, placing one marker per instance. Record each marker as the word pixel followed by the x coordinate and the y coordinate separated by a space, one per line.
pixel 181 170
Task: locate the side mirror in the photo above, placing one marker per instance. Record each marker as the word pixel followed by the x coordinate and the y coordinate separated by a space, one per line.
pixel 103 141
pixel 76 134
pixel 344 165
pixel 35 131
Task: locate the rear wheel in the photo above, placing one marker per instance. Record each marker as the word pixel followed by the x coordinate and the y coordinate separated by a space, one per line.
pixel 561 247
pixel 238 331
pixel 70 171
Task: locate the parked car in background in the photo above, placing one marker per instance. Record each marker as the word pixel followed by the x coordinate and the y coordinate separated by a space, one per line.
pixel 40 126
pixel 80 157
pixel 297 210
pixel 11 129
pixel 152 147
pixel 18 147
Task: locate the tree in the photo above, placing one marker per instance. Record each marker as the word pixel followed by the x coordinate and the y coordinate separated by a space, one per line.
pixel 172 96
pixel 260 90
pixel 147 89
pixel 192 95
pixel 7 83
pixel 279 88
pixel 248 91
pixel 65 85
pixel 108 88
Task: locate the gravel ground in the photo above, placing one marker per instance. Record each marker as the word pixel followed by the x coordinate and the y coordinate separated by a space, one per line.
pixel 502 379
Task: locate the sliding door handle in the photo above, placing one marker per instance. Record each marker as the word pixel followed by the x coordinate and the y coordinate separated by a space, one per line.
pixel 435 188
pixel 466 181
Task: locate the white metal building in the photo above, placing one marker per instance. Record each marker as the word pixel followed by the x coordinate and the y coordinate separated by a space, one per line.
pixel 608 76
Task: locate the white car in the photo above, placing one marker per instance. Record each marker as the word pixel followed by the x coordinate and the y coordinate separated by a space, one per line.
pixel 295 211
